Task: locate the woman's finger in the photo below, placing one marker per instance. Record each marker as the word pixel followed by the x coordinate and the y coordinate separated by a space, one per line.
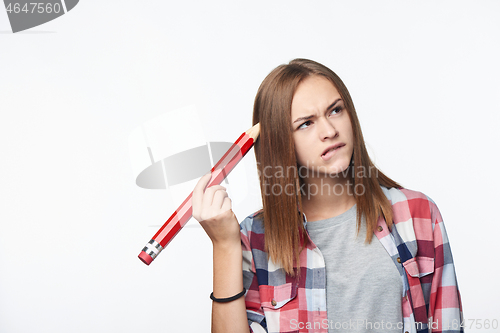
pixel 208 196
pixel 197 198
pixel 226 205
pixel 218 199
pixel 212 201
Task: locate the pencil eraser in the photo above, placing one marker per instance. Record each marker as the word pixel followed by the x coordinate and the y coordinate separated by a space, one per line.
pixel 145 258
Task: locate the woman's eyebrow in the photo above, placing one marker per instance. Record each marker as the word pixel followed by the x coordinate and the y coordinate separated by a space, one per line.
pixel 334 103
pixel 302 118
pixel 311 116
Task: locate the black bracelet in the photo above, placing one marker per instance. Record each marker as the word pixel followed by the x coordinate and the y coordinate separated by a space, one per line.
pixel 229 299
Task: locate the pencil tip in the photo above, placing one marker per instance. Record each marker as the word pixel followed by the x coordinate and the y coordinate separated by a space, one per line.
pixel 254 131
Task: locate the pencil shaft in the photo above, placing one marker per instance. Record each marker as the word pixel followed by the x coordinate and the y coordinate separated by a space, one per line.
pixel 184 212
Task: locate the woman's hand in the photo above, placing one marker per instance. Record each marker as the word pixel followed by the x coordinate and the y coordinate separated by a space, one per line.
pixel 212 208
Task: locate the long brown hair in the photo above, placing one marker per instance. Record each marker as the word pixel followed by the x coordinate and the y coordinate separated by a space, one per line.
pixel 284 232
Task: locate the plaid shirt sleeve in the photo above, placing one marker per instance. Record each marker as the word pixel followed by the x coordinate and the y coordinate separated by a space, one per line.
pixel 433 285
pixel 445 307
pixel 256 317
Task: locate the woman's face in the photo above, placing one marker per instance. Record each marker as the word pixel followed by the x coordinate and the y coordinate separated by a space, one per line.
pixel 321 127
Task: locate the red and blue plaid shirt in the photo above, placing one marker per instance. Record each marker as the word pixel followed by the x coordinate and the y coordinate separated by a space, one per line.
pixel 418 245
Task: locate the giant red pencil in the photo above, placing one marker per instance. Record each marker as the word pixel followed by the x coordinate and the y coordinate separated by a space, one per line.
pixel 182 215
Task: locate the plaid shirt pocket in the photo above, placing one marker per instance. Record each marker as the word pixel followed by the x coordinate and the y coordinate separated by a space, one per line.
pixel 419 267
pixel 280 306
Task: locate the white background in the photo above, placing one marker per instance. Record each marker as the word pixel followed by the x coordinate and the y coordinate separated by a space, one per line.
pixel 424 77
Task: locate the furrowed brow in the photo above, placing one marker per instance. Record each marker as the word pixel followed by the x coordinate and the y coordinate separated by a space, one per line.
pixel 302 118
pixel 311 116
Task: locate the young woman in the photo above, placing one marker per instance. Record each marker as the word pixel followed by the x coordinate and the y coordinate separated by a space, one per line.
pixel 338 245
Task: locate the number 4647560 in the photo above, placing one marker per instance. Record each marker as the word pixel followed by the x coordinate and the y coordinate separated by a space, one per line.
pixel 475 323
pixel 33 7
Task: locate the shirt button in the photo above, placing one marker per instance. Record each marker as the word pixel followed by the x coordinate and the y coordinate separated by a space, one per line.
pixel 399 259
pixel 380 228
pixel 273 302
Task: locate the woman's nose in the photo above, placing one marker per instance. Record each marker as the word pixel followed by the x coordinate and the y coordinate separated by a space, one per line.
pixel 327 129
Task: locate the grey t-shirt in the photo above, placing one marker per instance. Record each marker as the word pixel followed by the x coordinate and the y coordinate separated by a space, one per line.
pixel 363 285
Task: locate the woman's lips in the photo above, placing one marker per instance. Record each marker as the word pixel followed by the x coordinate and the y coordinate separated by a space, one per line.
pixel 330 153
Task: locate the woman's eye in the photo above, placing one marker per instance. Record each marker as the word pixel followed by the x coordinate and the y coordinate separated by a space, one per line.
pixel 302 126
pixel 336 110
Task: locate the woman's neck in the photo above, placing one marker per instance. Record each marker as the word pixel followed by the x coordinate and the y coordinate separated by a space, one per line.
pixel 325 197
